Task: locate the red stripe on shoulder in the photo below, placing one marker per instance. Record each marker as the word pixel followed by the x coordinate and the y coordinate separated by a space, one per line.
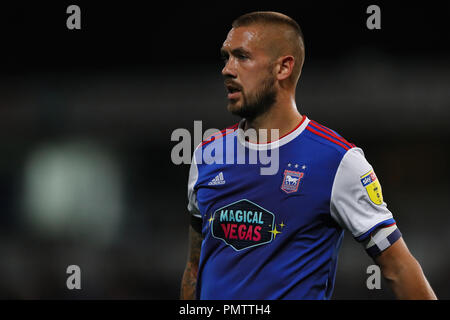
pixel 234 126
pixel 327 137
pixel 330 132
pixel 390 225
pixel 220 134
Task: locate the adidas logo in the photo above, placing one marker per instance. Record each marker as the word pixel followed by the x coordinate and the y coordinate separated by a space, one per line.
pixel 217 180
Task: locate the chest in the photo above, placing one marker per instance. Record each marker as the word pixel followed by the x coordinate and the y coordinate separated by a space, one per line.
pixel 241 206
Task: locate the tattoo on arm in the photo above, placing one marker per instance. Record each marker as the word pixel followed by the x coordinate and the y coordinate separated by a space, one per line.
pixel 189 280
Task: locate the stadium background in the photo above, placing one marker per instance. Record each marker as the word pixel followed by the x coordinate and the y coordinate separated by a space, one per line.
pixel 86 118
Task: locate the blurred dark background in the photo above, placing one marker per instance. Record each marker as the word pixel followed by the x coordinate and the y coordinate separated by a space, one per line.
pixel 86 117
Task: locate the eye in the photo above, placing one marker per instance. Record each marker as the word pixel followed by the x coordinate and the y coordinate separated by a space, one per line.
pixel 242 57
pixel 224 59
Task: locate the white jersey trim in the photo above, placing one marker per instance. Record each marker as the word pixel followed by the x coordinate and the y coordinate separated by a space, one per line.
pixel 271 145
pixel 192 194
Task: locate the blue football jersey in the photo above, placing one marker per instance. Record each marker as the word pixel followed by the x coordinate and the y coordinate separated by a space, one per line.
pixel 277 235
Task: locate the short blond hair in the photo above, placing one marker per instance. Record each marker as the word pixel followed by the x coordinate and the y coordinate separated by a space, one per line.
pixel 270 17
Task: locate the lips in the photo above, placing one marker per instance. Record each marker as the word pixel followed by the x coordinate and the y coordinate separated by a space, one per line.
pixel 233 90
pixel 233 95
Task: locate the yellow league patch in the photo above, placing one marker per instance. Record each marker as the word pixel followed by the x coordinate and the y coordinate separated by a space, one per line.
pixel 373 187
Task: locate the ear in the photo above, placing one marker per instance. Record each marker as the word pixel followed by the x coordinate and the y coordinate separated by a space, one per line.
pixel 286 66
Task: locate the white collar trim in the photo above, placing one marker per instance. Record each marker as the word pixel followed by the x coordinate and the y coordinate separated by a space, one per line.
pixel 274 144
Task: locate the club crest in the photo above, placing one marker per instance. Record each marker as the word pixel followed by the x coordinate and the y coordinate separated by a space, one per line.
pixel 291 181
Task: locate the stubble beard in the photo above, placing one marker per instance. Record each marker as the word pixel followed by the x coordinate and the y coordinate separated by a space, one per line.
pixel 257 104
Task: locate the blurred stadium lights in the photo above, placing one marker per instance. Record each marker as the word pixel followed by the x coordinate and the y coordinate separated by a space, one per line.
pixel 73 190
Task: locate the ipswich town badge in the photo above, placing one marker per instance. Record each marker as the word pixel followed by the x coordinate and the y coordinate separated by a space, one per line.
pixel 291 181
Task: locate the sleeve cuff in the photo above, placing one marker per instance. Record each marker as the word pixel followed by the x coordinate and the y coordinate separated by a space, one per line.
pixel 382 224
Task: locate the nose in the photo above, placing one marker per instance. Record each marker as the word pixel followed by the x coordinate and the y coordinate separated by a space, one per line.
pixel 229 70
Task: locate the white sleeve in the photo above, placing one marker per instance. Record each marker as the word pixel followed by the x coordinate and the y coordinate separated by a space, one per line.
pixel 192 193
pixel 357 203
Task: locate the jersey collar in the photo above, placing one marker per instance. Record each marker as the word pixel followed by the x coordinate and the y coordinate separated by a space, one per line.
pixel 294 133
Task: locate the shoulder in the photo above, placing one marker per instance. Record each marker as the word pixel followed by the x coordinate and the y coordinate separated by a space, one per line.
pixel 211 140
pixel 327 139
pixel 219 135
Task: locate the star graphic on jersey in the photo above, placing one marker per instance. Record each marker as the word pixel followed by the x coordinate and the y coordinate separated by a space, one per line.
pixel 303 167
pixel 282 225
pixel 210 219
pixel 275 232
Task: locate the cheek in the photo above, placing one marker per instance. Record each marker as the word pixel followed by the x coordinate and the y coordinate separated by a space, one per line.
pixel 252 77
pixel 250 84
pixel 256 85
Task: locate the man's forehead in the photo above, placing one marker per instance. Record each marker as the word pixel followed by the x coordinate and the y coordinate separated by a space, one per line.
pixel 247 37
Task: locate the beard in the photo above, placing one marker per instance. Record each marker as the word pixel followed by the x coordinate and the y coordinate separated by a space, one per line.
pixel 258 103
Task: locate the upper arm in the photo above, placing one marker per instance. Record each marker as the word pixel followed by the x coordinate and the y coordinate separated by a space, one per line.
pixel 189 281
pixel 394 258
pixel 195 244
pixel 404 273
pixel 357 204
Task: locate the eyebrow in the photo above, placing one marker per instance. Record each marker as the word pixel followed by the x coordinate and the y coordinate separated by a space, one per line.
pixel 234 52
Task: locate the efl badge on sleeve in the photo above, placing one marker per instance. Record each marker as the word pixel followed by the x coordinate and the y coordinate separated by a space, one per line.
pixel 291 181
pixel 373 187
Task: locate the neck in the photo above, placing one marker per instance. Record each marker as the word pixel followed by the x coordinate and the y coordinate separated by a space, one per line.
pixel 283 116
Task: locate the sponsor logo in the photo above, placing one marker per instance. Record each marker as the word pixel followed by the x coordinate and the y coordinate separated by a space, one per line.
pixel 243 224
pixel 373 187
